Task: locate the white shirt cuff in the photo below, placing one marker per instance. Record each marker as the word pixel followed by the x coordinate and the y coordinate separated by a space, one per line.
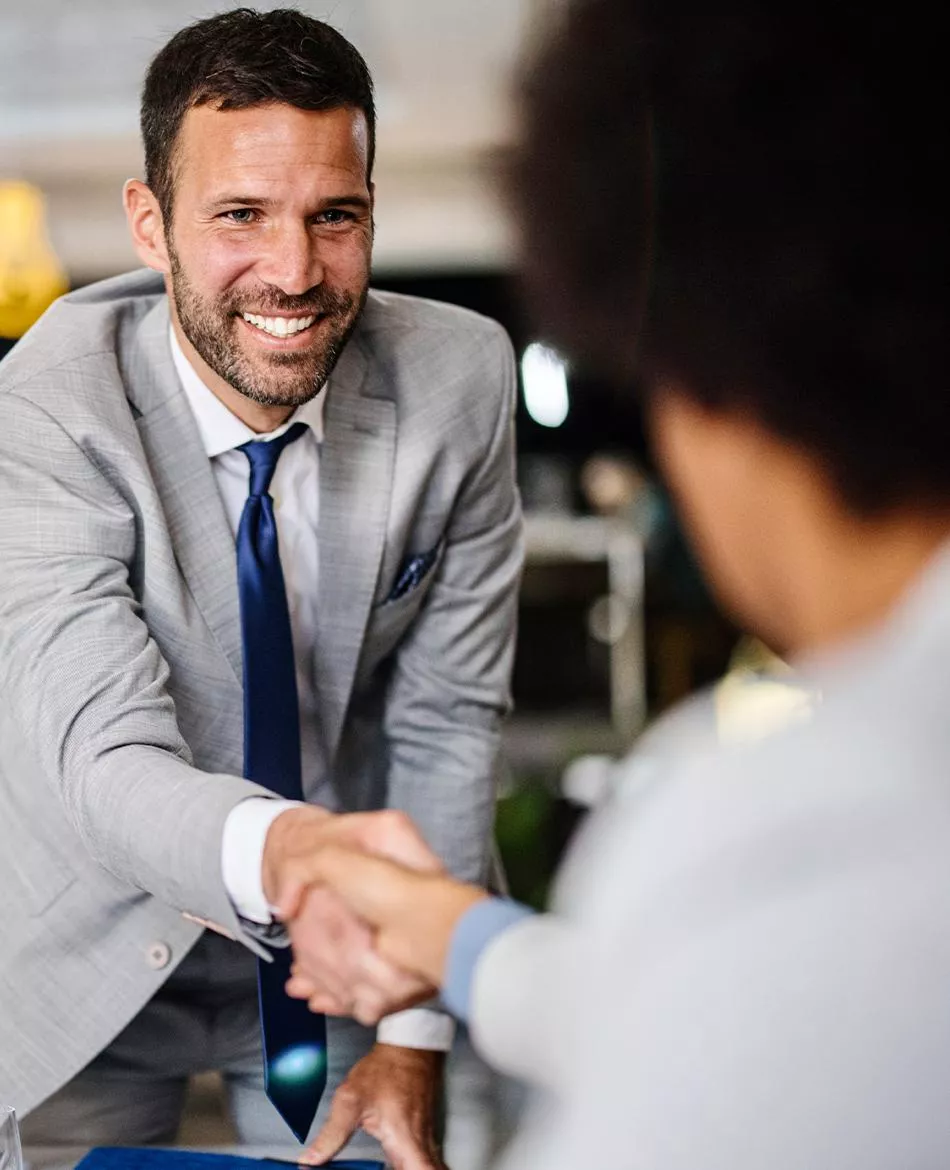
pixel 242 854
pixel 417 1028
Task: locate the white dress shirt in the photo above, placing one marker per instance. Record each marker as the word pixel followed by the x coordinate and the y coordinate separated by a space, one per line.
pixel 295 489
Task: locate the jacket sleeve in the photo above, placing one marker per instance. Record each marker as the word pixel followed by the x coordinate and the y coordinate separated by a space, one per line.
pixel 85 682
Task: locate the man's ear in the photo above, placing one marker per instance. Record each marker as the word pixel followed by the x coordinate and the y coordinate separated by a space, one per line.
pixel 146 225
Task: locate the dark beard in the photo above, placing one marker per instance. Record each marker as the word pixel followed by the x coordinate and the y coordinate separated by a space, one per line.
pixel 291 379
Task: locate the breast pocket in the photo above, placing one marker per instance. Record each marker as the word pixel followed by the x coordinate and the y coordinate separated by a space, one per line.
pixel 391 620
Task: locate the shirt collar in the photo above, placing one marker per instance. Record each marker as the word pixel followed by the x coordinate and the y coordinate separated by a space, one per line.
pixel 220 430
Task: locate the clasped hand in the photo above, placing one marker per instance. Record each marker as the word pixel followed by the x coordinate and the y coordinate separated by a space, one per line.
pixel 369 910
pixel 368 906
pixel 338 968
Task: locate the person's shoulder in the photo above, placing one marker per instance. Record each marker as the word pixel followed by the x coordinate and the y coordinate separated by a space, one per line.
pixel 874 752
pixel 434 338
pixel 398 313
pixel 450 369
pixel 80 336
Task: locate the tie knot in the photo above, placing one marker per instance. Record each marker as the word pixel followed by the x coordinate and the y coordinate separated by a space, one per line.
pixel 262 455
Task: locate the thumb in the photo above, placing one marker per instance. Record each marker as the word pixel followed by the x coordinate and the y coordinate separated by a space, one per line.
pixel 345 1113
pixel 290 897
pixel 393 835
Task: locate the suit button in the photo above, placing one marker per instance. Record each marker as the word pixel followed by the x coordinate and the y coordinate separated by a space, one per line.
pixel 158 956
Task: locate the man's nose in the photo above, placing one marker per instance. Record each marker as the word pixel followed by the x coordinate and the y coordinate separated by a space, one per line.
pixel 292 262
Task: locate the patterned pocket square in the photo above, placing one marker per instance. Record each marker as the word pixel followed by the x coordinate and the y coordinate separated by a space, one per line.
pixel 412 573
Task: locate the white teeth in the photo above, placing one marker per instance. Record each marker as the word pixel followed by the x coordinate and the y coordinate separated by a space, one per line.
pixel 279 326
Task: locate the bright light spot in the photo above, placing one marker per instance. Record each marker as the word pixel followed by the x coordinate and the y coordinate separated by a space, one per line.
pixel 544 374
pixel 301 1063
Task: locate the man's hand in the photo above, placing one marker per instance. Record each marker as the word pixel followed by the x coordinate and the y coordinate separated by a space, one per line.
pixel 345 975
pixel 392 1094
pixel 296 837
pixel 337 969
pixel 413 914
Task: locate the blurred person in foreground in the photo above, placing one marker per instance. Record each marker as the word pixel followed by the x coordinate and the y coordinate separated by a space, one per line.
pixel 260 539
pixel 748 960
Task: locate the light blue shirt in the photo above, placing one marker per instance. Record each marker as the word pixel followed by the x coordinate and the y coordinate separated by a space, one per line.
pixel 478 926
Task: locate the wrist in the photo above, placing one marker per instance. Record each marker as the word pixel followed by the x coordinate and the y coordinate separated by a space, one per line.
pixel 289 834
pixel 420 1057
pixel 420 1063
pixel 451 902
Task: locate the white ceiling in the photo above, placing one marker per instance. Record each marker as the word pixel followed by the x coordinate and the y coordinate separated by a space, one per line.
pixel 70 72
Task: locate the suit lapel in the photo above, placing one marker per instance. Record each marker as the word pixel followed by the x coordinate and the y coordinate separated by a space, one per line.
pixel 356 471
pixel 202 539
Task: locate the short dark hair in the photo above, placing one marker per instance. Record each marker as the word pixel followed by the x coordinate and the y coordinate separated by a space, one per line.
pixel 767 177
pixel 244 58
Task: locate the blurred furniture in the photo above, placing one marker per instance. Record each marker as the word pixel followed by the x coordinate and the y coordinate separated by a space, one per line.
pixel 579 681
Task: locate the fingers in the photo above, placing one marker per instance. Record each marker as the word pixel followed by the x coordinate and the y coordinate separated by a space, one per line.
pixel 391 1093
pixel 413 914
pixel 404 1134
pixel 342 903
pixel 292 893
pixel 296 839
pixel 384 988
pixel 336 968
pixel 366 881
pixel 345 1116
pixel 301 986
pixel 391 834
pixel 374 888
pixel 396 982
pixel 298 877
pixel 318 998
pixel 378 989
pixel 403 1151
pixel 329 944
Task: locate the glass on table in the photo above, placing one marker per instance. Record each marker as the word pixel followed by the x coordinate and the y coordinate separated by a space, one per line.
pixel 11 1156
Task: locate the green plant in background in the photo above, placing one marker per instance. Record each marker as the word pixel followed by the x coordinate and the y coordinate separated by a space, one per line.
pixel 526 830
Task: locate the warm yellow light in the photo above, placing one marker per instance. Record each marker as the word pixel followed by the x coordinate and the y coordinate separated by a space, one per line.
pixel 31 277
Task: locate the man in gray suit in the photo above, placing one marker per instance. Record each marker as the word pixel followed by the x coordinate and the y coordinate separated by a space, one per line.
pixel 748 961
pixel 131 413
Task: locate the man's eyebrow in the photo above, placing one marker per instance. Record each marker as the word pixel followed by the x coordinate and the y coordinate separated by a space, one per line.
pixel 360 202
pixel 245 199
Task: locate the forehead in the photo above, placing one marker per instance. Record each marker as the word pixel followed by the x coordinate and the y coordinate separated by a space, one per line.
pixel 271 143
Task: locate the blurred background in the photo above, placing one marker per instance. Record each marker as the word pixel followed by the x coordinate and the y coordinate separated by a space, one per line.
pixel 615 624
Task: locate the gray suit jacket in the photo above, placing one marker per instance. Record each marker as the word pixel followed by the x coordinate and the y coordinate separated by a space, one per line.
pixel 750 966
pixel 120 645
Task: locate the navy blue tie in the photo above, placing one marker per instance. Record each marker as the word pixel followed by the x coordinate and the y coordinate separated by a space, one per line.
pixel 294 1039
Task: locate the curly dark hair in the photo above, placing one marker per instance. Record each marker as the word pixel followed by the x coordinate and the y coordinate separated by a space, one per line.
pixel 240 59
pixel 749 198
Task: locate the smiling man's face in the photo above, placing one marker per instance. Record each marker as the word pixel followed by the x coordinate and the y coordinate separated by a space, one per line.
pixel 269 246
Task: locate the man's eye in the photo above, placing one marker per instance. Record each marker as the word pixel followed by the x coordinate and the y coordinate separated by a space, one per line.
pixel 335 216
pixel 240 215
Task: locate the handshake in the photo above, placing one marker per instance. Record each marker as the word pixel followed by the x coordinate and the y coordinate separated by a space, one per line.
pixel 369 908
